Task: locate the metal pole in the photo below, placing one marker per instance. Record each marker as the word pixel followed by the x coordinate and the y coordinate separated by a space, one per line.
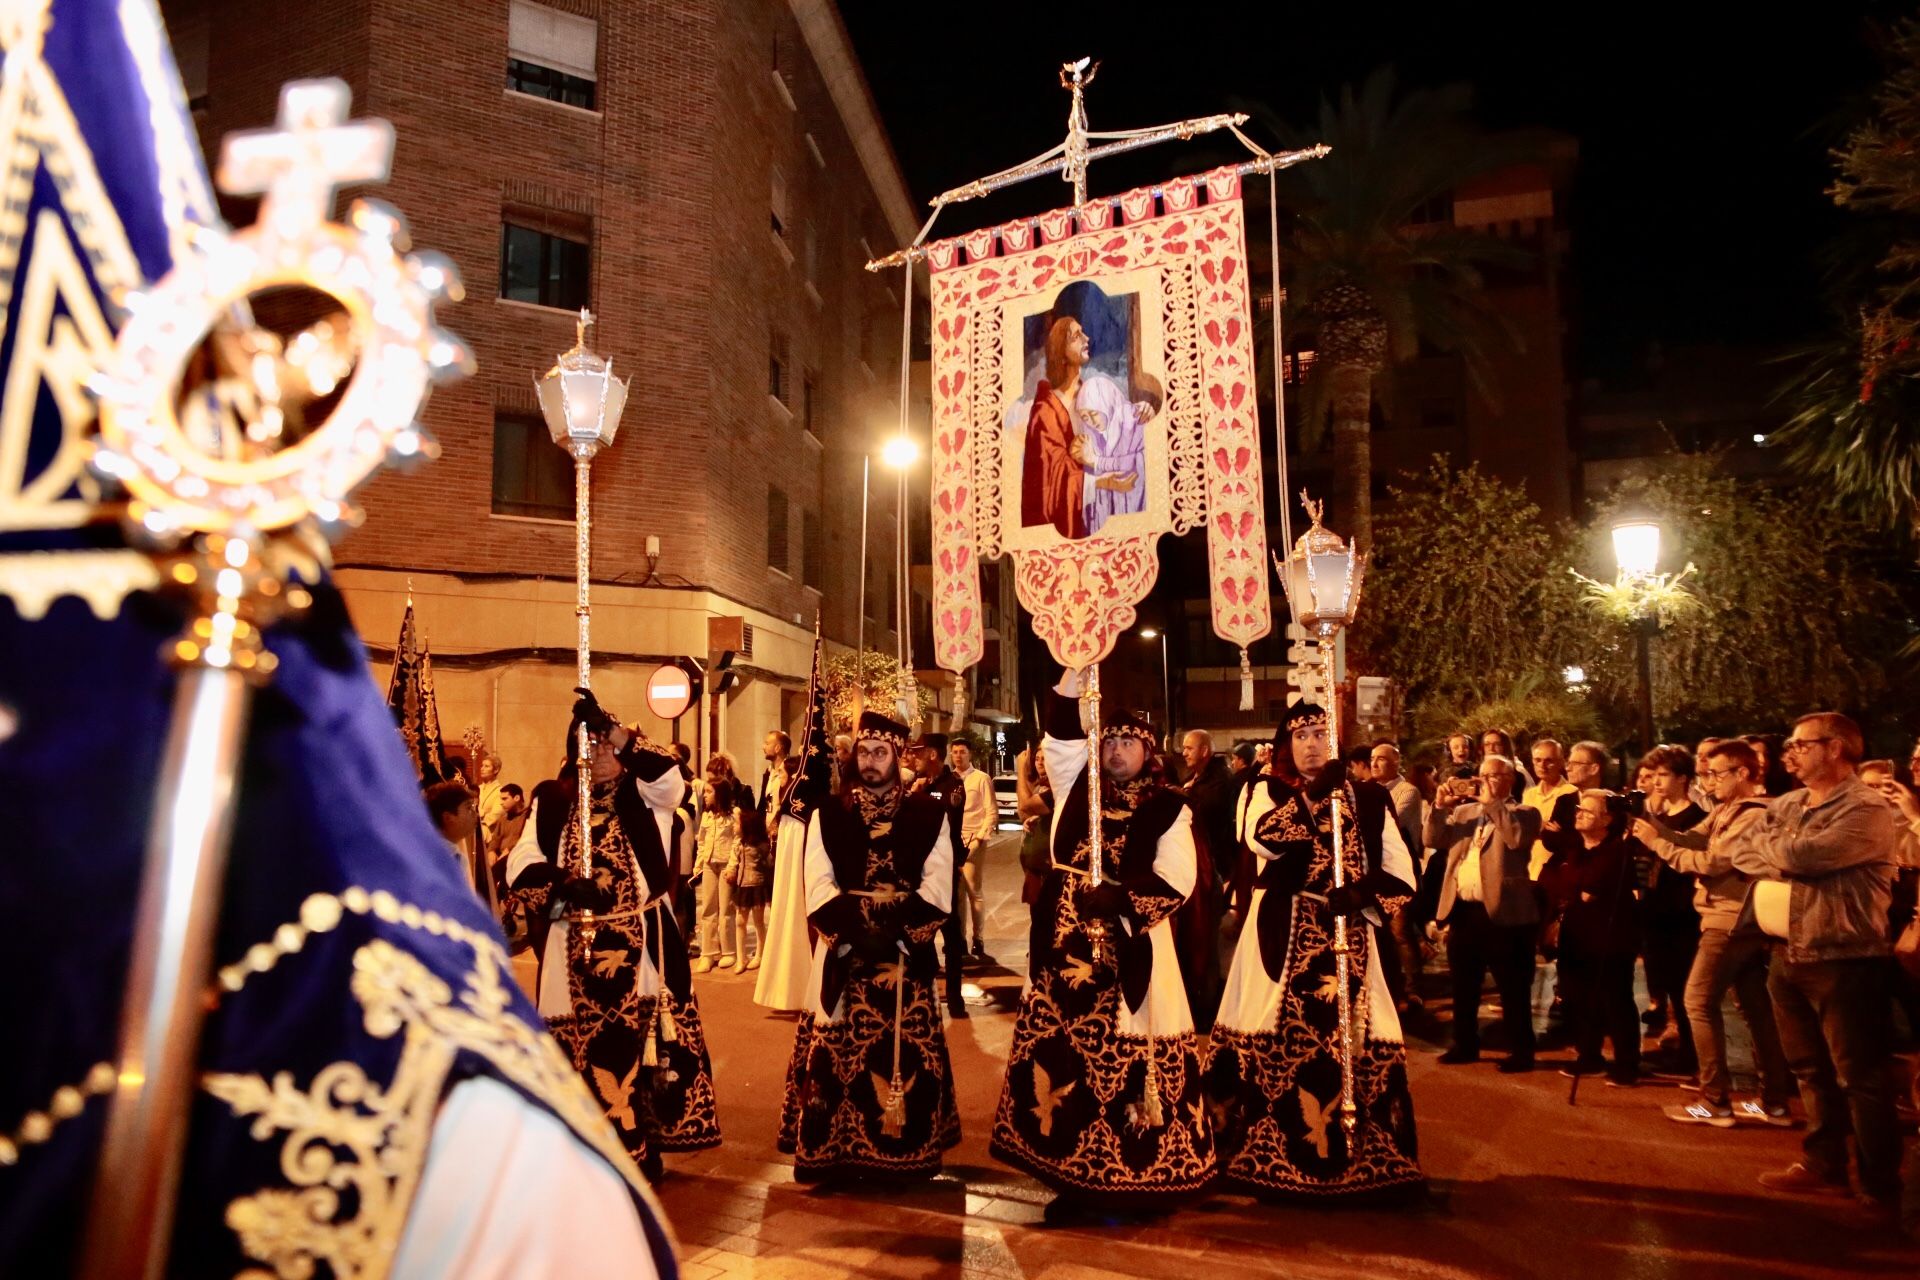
pixel 1166 682
pixel 130 1224
pixel 1091 695
pixel 1642 643
pixel 1342 944
pixel 860 647
pixel 902 594
pixel 583 612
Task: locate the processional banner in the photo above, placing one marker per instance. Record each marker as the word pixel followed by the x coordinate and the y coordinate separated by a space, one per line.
pixel 1093 389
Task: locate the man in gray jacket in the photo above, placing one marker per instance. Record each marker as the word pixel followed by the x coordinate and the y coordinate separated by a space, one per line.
pixel 1724 960
pixel 1488 906
pixel 1826 852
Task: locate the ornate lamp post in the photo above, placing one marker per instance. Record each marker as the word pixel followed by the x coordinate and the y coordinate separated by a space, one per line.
pixel 582 402
pixel 1322 577
pixel 1636 552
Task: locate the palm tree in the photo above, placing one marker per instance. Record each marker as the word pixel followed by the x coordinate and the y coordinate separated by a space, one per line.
pixel 1856 396
pixel 1372 277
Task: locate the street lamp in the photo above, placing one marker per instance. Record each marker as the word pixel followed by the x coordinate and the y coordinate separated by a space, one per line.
pixel 582 402
pixel 1322 577
pixel 1636 550
pixel 899 454
pixel 1636 547
pixel 1166 679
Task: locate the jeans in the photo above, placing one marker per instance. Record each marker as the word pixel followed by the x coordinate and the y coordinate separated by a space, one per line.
pixel 717 920
pixel 1474 945
pixel 1597 991
pixel 1724 962
pixel 971 878
pixel 1670 942
pixel 1833 1026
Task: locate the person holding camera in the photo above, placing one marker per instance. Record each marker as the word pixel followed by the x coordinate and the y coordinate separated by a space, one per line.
pixel 1670 928
pixel 1593 936
pixel 1824 858
pixel 1723 960
pixel 1488 906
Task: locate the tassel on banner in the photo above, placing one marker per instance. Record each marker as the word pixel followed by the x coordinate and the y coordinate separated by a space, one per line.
pixel 1151 1110
pixel 669 1031
pixel 650 1054
pixel 893 1111
pixel 1246 680
pixel 959 701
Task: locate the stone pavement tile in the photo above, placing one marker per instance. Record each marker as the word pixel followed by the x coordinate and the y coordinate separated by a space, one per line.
pixel 700 1271
pixel 1018 1213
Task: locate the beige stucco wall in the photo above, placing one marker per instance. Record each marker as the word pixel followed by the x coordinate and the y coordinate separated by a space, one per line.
pixel 522 705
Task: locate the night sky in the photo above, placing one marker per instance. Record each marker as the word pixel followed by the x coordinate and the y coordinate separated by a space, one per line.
pixel 1698 211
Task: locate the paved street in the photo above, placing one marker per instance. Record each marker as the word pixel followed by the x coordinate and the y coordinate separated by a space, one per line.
pixel 1523 1184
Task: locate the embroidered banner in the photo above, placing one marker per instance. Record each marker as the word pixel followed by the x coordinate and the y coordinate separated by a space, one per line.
pixel 1093 389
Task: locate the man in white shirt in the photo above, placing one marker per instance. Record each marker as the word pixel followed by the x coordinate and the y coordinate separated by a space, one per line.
pixel 976 829
pixel 1487 905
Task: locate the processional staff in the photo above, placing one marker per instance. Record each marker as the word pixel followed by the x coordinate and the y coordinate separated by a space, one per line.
pixel 1322 578
pixel 232 518
pixel 582 402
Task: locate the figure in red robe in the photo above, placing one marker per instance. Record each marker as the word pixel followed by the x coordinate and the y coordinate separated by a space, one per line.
pixel 1053 477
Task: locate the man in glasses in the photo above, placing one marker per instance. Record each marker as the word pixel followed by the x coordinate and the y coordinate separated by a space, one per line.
pixel 1831 842
pixel 1724 961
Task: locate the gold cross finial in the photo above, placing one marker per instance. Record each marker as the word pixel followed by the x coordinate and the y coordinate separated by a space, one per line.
pixel 580 328
pixel 311 151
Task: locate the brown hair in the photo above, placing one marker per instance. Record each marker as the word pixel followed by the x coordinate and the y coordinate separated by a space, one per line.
pixel 445 798
pixel 1739 754
pixel 1058 370
pixel 1676 760
pixel 1841 729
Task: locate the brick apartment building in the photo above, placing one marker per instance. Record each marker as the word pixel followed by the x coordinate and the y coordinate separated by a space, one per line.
pixel 709 176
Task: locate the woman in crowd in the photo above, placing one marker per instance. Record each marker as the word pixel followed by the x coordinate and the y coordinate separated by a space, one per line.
pixel 1594 928
pixel 750 875
pixel 717 850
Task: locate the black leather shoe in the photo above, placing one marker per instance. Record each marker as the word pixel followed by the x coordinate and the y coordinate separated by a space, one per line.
pixel 957 1009
pixel 1513 1065
pixel 1456 1056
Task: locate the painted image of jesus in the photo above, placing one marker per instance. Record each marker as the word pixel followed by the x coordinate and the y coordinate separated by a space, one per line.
pixel 1085 444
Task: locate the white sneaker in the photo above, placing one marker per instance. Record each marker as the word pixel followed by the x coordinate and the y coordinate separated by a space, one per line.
pixel 1777 1116
pixel 1701 1112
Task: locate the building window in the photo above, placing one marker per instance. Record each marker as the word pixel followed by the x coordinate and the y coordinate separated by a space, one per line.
pixel 809 390
pixel 551 54
pixel 544 268
pixel 809 254
pixel 778 198
pixel 777 530
pixel 532 476
pixel 777 366
pixel 811 568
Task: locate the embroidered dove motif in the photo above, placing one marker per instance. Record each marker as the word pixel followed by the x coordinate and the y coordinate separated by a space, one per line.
pixel 607 963
pixel 1317 1114
pixel 1329 988
pixel 889 975
pixel 1046 1098
pixel 618 1095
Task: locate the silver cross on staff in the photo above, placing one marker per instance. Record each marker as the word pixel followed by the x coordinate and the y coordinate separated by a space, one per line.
pixel 298 164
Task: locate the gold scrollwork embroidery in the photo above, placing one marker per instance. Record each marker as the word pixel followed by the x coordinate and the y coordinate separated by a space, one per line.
pixel 354 1150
